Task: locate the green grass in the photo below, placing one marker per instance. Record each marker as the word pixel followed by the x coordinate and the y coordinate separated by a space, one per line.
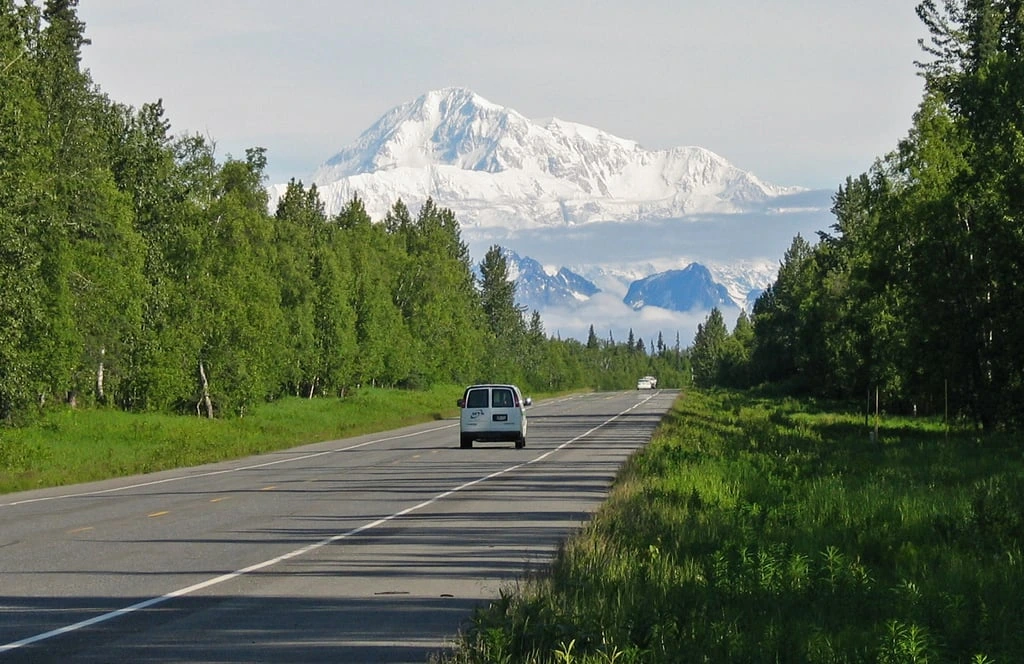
pixel 68 446
pixel 765 531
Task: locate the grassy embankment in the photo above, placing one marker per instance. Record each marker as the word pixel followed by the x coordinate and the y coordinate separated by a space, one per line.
pixel 766 531
pixel 71 446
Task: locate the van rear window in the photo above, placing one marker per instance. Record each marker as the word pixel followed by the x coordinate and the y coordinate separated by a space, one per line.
pixel 503 399
pixel 477 399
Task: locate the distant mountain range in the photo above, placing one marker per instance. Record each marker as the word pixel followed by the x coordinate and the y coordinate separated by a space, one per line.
pixel 493 167
pixel 688 289
pixel 536 289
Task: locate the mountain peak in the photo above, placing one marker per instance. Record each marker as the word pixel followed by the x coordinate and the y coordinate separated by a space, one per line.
pixel 454 95
pixel 691 288
pixel 540 289
pixel 494 167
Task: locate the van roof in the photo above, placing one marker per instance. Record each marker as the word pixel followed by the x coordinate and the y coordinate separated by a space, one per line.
pixel 493 385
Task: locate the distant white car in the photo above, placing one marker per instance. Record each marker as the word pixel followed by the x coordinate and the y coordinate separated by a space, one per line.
pixel 647 383
pixel 493 412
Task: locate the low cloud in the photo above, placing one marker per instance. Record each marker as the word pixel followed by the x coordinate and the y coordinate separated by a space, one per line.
pixel 713 238
pixel 612 318
pixel 627 250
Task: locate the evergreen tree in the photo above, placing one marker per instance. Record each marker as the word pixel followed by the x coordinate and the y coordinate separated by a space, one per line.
pixel 708 348
pixel 538 353
pixel 504 317
pixel 974 76
pixel 735 360
pixel 780 328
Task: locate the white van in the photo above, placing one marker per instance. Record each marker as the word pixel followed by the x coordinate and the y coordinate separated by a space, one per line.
pixel 493 412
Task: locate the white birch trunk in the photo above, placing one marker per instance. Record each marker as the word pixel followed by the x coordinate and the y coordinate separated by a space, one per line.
pixel 99 376
pixel 206 392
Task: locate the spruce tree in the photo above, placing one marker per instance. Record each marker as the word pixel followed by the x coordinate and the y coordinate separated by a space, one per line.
pixel 503 316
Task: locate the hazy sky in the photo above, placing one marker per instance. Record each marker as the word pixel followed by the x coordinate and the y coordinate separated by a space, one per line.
pixel 800 92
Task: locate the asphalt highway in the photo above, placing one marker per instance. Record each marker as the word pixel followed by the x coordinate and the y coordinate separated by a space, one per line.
pixel 368 549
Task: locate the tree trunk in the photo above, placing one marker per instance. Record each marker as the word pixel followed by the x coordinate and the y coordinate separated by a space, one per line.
pixel 206 392
pixel 99 377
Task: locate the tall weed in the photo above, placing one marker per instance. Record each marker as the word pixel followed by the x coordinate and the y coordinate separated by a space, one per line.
pixel 759 531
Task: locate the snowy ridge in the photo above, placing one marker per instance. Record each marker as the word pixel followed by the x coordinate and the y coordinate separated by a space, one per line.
pixel 541 288
pixel 677 286
pixel 494 167
pixel 691 288
pixel 743 279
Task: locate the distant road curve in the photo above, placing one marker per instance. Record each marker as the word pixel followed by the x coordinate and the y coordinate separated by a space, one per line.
pixel 368 549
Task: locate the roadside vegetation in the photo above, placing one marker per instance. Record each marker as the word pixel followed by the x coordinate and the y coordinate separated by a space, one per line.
pixel 766 530
pixel 67 446
pixel 915 292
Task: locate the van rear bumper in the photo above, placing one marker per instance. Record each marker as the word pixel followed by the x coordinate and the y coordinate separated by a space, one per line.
pixel 493 435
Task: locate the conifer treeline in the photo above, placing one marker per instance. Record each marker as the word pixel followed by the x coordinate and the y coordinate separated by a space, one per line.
pixel 138 272
pixel 918 291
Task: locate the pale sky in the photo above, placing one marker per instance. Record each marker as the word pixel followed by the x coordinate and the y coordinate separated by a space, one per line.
pixel 799 92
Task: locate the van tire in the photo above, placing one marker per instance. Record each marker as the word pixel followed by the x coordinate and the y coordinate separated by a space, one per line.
pixel 520 442
pixel 465 441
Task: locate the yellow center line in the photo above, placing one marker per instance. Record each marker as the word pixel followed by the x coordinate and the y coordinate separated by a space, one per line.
pixel 155 514
pixel 269 488
pixel 217 500
pixel 79 530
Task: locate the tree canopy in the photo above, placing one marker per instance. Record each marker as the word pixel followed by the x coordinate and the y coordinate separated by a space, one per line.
pixel 137 271
pixel 916 290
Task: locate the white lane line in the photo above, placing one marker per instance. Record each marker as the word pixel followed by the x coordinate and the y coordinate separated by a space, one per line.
pixel 231 470
pixel 95 620
pixel 223 472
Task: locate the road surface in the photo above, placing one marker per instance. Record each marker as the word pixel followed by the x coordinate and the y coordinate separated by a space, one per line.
pixel 368 549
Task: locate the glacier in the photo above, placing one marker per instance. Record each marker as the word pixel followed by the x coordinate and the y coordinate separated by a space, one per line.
pixel 493 167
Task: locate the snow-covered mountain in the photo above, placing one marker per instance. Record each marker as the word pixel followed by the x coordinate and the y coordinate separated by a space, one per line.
pixel 537 188
pixel 743 280
pixel 539 288
pixel 693 288
pixel 493 167
pixel 689 289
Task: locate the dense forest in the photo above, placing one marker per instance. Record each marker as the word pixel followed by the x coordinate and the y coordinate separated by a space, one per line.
pixel 917 293
pixel 138 272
